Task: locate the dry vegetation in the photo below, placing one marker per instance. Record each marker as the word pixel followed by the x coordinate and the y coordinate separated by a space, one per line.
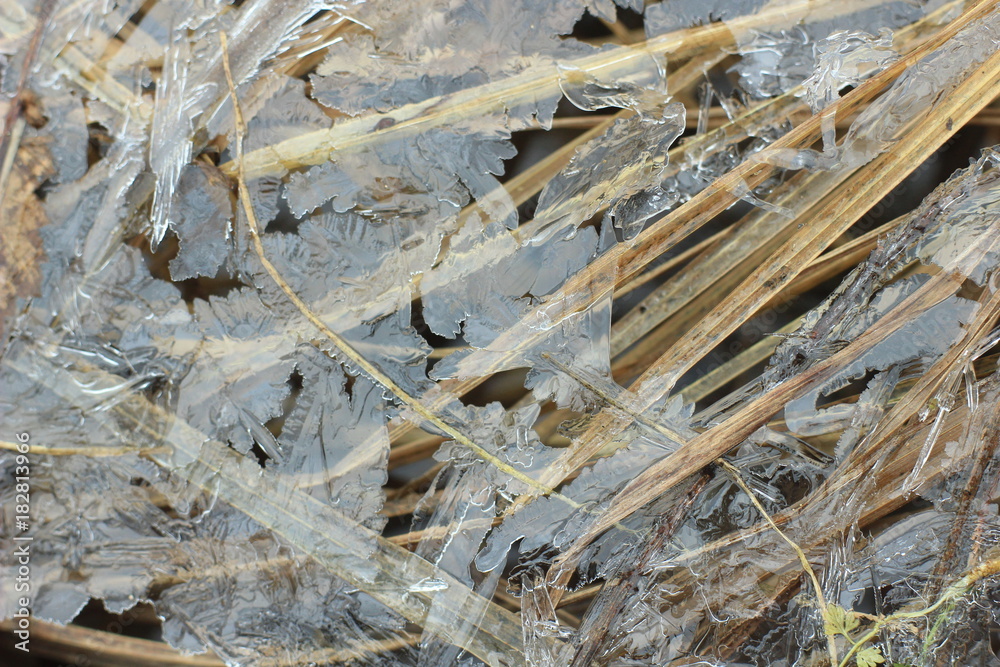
pixel 520 333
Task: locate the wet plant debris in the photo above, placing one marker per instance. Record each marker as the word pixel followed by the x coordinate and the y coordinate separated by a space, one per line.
pixel 532 333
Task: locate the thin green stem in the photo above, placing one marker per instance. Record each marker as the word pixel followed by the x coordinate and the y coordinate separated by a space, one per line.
pixel 951 595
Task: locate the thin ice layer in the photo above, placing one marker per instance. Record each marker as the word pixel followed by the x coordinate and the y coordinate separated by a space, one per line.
pixel 623 169
pixel 775 60
pixel 66 124
pixel 917 89
pixel 468 494
pixel 353 275
pixel 89 216
pixel 388 70
pixel 418 179
pixel 925 338
pixel 334 442
pixel 666 17
pixel 203 222
pixel 179 95
pixel 231 347
pixel 550 522
pixel 518 273
pixel 463 290
pixel 216 570
pixel 961 208
pixel 242 571
pixel 192 90
pixel 844 58
pixel 462 44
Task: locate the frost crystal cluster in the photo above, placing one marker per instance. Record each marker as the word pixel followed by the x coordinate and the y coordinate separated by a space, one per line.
pixel 522 332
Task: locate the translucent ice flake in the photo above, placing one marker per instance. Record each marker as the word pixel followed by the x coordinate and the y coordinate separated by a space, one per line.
pixel 315 187
pixel 540 623
pixel 970 200
pixel 429 585
pixel 551 523
pixel 67 125
pixel 353 274
pixel 482 263
pixel 916 90
pixel 95 310
pixel 191 91
pixel 927 337
pixel 507 437
pixel 203 220
pixel 463 289
pixel 870 408
pixel 644 92
pixel 281 112
pixel 234 349
pixel 467 496
pixel 355 78
pixel 419 178
pixel 596 177
pixel 463 512
pixel 334 442
pixel 89 216
pixel 775 60
pixel 669 16
pixel 845 58
pixel 177 100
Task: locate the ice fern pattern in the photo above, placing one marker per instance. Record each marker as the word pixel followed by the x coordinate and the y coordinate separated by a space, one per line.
pixel 534 332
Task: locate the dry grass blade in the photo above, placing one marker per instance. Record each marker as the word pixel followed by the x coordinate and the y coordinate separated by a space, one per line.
pixel 833 217
pixel 84 644
pixel 350 135
pixel 713 443
pixel 597 627
pixel 539 333
pixel 803 560
pixel 626 260
pixel 58 643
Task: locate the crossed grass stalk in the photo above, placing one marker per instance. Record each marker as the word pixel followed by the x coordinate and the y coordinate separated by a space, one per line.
pixel 835 618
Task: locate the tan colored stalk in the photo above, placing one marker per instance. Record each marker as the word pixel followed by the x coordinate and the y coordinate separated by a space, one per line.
pixel 834 216
pixel 628 260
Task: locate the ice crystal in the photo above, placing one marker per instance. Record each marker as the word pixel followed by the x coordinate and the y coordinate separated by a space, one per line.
pixel 261 256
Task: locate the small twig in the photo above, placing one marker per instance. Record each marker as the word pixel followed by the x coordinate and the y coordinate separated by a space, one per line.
pixel 955 591
pixel 94 452
pixel 817 588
